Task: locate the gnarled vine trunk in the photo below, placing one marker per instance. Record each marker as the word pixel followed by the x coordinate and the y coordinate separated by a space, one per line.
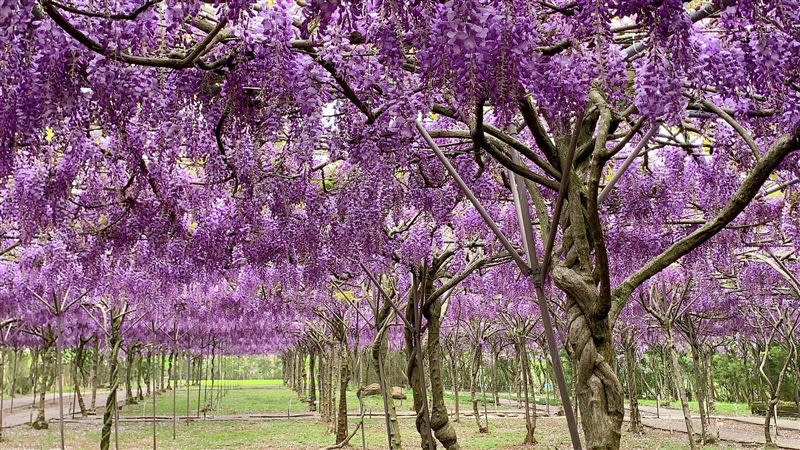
pixel 114 342
pixel 442 429
pixel 473 386
pixel 583 275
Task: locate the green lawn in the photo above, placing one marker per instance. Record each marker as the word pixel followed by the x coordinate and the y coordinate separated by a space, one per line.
pixel 265 382
pixel 234 401
pixel 734 409
pixel 269 397
pixel 298 434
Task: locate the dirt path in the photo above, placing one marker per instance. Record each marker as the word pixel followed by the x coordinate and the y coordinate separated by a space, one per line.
pixel 746 430
pixel 23 412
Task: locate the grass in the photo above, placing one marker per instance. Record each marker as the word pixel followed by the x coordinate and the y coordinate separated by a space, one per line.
pixel 269 397
pixel 247 383
pixel 262 396
pixel 234 401
pixel 298 434
pixel 734 409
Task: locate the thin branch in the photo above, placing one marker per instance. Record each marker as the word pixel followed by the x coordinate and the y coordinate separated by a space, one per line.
pixel 91 44
pixel 107 15
pixel 735 125
pixel 628 161
pixel 750 186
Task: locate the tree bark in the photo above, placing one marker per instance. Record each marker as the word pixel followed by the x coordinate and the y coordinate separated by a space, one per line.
pixel 700 391
pixel 46 376
pixel 113 379
pixel 344 378
pixel 312 387
pixel 528 392
pixel 95 368
pixel 442 429
pixel 454 381
pixel 380 349
pixel 129 359
pixel 76 375
pixel 473 385
pixel 678 377
pixel 630 372
pixel 415 369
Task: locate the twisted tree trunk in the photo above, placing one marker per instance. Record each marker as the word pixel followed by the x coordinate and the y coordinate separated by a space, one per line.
pixel 442 429
pixel 583 276
pixel 113 380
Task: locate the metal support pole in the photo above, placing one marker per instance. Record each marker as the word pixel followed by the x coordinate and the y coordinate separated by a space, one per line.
pixel 530 271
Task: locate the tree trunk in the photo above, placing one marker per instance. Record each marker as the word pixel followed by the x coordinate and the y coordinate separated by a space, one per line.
pixel 775 388
pixel 380 349
pixel 711 394
pixel 442 429
pixel 322 370
pixel 76 375
pixel 630 373
pixel 95 367
pixel 14 378
pixel 473 386
pixel 170 374
pixel 46 376
pixel 34 371
pixel 129 358
pixel 530 416
pixel 415 369
pixel 138 362
pixel 599 392
pixel 2 388
pixel 344 378
pixel 495 394
pixel 678 378
pixel 113 380
pixel 312 388
pixel 454 381
pixel 700 391
pixel 332 390
pixel 147 375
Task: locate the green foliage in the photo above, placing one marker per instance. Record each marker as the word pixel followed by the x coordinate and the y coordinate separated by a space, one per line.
pixel 784 409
